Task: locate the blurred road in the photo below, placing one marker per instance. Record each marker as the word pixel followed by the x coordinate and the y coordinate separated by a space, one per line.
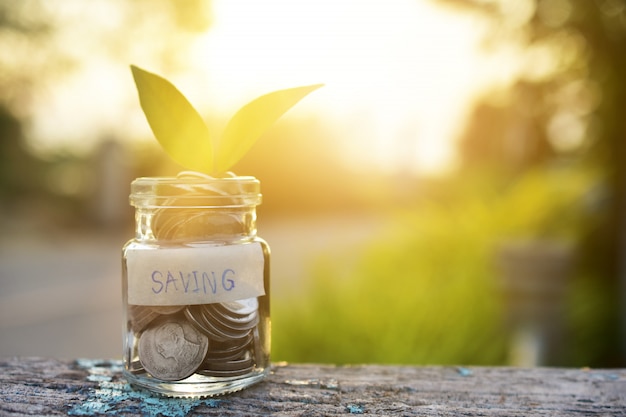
pixel 60 293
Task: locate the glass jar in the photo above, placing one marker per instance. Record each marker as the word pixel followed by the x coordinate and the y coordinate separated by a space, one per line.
pixel 196 287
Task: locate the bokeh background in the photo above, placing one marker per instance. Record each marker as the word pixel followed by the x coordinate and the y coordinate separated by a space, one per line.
pixel 454 194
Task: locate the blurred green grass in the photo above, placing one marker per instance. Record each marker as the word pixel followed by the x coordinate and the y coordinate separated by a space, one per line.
pixel 426 291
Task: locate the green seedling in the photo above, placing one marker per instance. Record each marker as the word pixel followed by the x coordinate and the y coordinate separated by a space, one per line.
pixel 185 136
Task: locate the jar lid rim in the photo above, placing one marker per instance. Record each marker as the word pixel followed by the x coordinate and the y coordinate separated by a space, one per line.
pixel 194 180
pixel 237 191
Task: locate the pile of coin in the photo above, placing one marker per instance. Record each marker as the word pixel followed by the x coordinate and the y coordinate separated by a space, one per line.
pixel 229 327
pixel 210 339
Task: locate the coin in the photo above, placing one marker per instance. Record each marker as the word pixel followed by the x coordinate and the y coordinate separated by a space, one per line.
pixel 241 307
pixel 139 317
pixel 167 309
pixel 222 331
pixel 200 317
pixel 229 350
pixel 171 349
pixel 230 328
pixel 195 315
pixel 230 323
pixel 227 373
pixel 232 365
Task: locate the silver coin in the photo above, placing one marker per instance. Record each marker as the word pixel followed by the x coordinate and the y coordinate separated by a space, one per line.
pixel 167 309
pixel 172 349
pixel 229 351
pixel 222 332
pixel 230 323
pixel 195 315
pixel 240 308
pixel 200 317
pixel 139 317
pixel 232 365
pixel 227 355
pixel 227 374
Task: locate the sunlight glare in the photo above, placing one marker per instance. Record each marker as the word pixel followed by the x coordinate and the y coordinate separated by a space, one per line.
pixel 399 74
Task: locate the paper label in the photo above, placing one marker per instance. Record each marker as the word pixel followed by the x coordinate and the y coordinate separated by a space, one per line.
pixel 194 275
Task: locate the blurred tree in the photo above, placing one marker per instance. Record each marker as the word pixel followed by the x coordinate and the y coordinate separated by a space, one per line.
pixel 23 24
pixel 46 43
pixel 18 169
pixel 573 66
pixel 508 136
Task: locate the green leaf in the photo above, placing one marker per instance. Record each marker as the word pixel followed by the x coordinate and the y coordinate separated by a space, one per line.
pixel 252 120
pixel 185 137
pixel 174 121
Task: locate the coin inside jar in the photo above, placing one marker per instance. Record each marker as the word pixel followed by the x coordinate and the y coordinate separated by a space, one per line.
pixel 140 316
pixel 167 309
pixel 236 324
pixel 231 349
pixel 200 316
pixel 172 349
pixel 240 308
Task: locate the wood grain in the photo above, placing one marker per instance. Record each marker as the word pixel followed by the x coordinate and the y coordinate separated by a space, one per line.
pixel 50 387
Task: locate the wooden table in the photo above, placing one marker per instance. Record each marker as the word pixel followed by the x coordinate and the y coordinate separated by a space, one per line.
pixel 49 387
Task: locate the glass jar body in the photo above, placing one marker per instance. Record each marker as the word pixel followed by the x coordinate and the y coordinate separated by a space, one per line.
pixel 195 284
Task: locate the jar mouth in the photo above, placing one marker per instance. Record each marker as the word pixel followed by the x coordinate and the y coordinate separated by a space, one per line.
pixel 195 192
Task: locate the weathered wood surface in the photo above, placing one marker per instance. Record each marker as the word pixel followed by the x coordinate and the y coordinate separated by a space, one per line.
pixel 46 387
